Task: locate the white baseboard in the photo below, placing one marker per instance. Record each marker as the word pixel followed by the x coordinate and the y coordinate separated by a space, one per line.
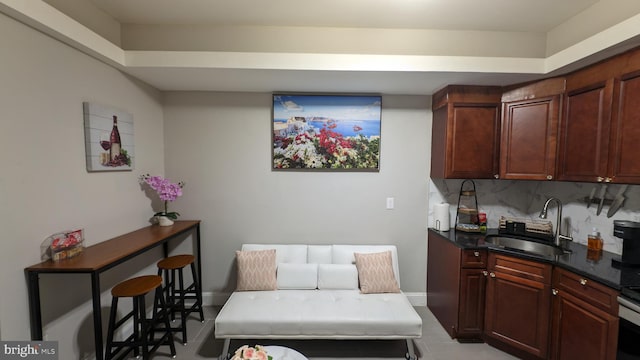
pixel 417 298
pixel 214 298
pixel 219 298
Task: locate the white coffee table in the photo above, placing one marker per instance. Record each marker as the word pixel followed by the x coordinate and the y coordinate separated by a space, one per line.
pixel 283 353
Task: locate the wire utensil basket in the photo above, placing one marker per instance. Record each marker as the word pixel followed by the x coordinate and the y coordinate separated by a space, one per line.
pixel 467 211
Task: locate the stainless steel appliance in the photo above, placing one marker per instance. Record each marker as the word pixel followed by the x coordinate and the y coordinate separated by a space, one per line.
pixel 629 232
pixel 629 299
pixel 629 330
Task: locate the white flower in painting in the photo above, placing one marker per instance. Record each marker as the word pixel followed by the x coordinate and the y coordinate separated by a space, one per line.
pixel 350 152
pixel 314 161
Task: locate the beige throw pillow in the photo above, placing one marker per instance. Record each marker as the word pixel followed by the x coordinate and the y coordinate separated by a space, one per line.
pixel 375 273
pixel 256 270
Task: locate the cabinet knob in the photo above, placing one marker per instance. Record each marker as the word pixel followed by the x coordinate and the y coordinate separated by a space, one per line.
pixel 492 274
pixel 599 178
pixel 476 253
pixel 583 282
pixel 497 176
pixel 549 177
pixel 607 180
pixel 554 292
pixel 485 272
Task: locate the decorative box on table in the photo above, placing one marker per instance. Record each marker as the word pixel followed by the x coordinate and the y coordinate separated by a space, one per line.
pixel 63 245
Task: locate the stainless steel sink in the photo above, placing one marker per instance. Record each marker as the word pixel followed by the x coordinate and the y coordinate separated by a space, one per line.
pixel 526 246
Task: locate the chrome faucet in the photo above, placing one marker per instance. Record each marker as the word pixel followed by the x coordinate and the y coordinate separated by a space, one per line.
pixel 543 215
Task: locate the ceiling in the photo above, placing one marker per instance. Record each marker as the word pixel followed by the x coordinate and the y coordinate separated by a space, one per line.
pixel 350 70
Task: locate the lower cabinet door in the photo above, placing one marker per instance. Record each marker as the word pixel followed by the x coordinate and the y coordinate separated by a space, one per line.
pixel 471 310
pixel 582 331
pixel 517 314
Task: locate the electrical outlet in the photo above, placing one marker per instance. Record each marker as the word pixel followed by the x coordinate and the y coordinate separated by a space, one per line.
pixel 390 203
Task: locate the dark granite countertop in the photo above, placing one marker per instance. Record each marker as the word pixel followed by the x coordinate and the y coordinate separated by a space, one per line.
pixel 600 270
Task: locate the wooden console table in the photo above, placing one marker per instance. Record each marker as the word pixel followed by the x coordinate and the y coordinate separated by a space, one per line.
pixel 100 257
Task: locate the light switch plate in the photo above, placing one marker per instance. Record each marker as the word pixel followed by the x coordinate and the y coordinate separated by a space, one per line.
pixel 390 203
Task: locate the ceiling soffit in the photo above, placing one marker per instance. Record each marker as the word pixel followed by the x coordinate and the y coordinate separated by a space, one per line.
pixel 433 55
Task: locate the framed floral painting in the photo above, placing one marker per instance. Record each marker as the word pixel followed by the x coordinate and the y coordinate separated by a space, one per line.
pixel 108 136
pixel 326 132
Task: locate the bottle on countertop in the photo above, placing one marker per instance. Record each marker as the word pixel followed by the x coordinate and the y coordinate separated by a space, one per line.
pixel 482 221
pixel 594 241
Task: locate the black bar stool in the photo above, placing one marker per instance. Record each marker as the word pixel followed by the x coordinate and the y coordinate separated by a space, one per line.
pixel 144 328
pixel 176 293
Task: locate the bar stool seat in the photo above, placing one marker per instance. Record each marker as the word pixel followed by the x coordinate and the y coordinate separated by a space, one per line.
pixel 176 262
pixel 144 328
pixel 141 285
pixel 176 293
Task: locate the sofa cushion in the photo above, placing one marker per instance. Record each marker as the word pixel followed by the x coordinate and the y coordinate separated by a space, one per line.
pixel 317 314
pixel 256 270
pixel 297 276
pixel 344 254
pixel 294 253
pixel 375 273
pixel 337 276
pixel 319 254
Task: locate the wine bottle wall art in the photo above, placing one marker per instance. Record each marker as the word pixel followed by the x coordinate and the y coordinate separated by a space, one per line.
pixel 108 138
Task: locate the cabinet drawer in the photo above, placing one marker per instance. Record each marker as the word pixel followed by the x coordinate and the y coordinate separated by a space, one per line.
pixel 594 293
pixel 531 270
pixel 475 259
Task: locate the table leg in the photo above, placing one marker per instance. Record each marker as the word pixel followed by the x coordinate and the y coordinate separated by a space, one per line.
pixel 199 257
pixel 165 249
pixel 35 311
pixel 97 315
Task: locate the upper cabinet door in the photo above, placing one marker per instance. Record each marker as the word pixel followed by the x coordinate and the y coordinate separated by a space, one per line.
pixel 624 162
pixel 466 132
pixel 529 130
pixel 584 133
pixel 474 147
pixel 600 126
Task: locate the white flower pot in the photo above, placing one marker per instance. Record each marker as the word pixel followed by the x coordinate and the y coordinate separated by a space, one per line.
pixel 164 221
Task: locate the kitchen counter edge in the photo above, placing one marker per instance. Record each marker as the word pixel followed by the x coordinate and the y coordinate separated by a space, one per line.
pixel 600 270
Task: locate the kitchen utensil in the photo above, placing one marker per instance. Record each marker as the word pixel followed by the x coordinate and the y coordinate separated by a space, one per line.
pixel 603 191
pixel 593 193
pixel 617 201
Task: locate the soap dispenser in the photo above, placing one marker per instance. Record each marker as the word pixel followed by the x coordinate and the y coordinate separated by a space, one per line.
pixel 594 241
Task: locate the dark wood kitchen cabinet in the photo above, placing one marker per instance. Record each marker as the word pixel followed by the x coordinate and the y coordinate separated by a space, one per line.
pixel 600 124
pixel 585 318
pixel 624 165
pixel 518 306
pixel 529 130
pixel 456 281
pixel 466 132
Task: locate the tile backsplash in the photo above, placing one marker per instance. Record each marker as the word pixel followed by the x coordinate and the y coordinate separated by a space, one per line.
pixel 519 198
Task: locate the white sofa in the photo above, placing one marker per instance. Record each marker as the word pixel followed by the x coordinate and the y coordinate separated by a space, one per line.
pixel 324 303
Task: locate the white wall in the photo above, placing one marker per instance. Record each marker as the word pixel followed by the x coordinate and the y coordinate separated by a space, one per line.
pixel 600 16
pixel 90 16
pixel 220 144
pixel 44 185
